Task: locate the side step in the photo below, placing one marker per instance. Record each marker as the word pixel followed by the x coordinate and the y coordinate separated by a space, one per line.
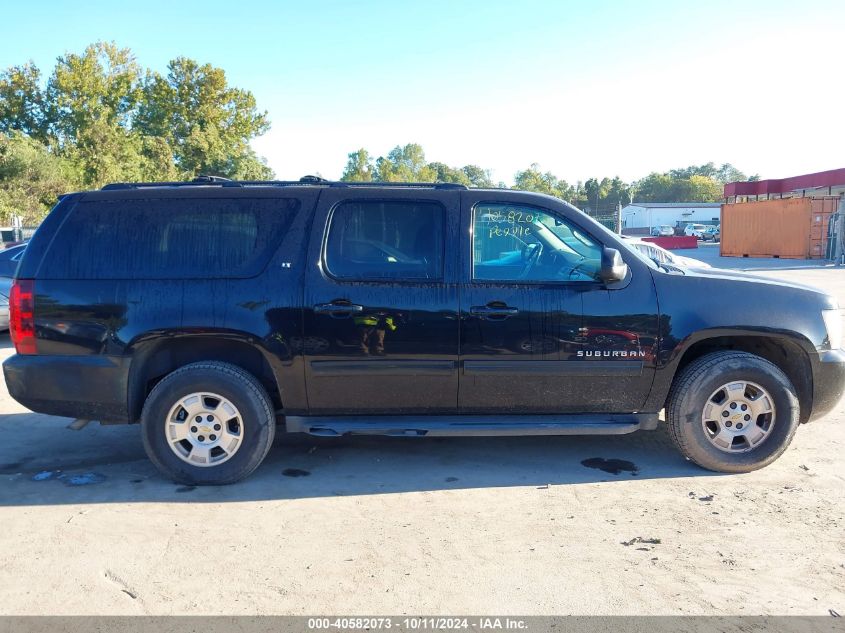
pixel 472 425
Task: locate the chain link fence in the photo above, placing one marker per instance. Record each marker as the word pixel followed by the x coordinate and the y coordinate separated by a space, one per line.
pixel 13 235
pixel 609 217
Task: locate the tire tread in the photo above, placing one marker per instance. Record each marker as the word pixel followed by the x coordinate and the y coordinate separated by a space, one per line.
pixel 250 382
pixel 689 375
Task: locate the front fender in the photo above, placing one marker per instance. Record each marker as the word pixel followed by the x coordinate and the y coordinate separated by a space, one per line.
pixel 707 311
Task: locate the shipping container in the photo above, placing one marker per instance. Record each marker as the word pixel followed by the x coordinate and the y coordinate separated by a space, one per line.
pixel 793 228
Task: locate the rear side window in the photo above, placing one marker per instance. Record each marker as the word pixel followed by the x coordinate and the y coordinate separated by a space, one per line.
pixel 187 238
pixel 386 240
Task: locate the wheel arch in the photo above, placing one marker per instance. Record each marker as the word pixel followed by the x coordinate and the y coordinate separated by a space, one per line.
pixel 153 360
pixel 788 354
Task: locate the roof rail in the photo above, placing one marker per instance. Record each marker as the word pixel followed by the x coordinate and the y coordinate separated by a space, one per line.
pixel 211 179
pixel 197 182
pixel 418 185
pixel 205 181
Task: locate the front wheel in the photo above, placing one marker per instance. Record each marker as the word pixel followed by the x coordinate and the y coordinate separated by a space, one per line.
pixel 732 412
pixel 208 423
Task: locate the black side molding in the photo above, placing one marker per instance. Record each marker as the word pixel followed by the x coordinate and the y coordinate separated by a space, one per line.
pixel 553 367
pixel 326 368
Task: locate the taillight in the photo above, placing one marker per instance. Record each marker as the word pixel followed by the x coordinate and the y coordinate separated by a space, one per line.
pixel 22 316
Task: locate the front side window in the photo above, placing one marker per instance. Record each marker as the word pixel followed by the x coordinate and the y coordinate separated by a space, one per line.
pixel 377 240
pixel 520 243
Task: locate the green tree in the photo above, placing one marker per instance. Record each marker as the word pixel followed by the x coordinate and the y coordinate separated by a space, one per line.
pixel 592 193
pixel 444 173
pixel 90 103
pixel 31 178
pixel 404 164
pixel 99 118
pixel 532 179
pixel 359 167
pixel 722 174
pixel 478 177
pixel 618 192
pixel 653 188
pixel 698 189
pixel 207 123
pixel 678 186
pixel 407 164
pixel 100 85
pixel 22 102
pixel 83 113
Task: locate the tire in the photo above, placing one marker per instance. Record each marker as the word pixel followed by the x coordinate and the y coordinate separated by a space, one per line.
pixel 691 393
pixel 252 429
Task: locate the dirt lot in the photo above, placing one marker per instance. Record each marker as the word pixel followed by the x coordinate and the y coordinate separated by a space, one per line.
pixel 382 525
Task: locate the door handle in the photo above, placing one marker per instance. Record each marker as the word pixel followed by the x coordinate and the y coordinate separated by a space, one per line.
pixel 338 310
pixel 493 312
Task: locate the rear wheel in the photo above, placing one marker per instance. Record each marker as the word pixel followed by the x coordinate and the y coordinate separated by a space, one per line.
pixel 732 412
pixel 208 423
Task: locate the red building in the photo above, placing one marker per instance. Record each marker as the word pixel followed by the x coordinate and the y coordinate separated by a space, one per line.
pixel 818 185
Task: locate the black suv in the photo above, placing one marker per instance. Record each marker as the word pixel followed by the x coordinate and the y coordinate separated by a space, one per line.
pixel 210 311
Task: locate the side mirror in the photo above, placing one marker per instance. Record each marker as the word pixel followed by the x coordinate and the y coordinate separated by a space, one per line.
pixel 612 267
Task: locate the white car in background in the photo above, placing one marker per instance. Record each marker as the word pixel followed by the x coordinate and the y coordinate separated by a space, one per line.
pixel 696 230
pixel 662 256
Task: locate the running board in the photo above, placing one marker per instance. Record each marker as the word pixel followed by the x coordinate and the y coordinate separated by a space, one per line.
pixel 472 425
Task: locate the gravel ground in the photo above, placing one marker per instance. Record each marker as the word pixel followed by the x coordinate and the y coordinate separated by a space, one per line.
pixel 434 526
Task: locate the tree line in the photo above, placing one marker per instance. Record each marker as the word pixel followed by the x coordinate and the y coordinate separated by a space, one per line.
pixel 99 117
pixel 697 183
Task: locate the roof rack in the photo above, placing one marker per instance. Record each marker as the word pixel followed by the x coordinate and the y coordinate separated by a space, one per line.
pixel 201 180
pixel 206 181
pixel 419 185
pixel 211 179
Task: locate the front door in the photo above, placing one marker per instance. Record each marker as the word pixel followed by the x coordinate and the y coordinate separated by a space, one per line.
pixel 540 332
pixel 381 302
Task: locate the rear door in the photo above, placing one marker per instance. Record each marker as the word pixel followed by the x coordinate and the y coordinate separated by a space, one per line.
pixel 381 302
pixel 540 333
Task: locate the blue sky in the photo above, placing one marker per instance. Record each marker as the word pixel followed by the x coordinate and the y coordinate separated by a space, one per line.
pixel 583 88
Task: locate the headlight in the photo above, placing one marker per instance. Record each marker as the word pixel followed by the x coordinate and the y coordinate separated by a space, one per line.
pixel 833 325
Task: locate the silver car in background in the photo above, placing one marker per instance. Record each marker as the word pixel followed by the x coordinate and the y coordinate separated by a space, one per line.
pixel 9 259
pixel 5 286
pixel 664 230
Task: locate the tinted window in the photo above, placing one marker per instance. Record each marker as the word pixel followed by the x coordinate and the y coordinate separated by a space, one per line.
pixel 386 240
pixel 173 238
pixel 519 243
